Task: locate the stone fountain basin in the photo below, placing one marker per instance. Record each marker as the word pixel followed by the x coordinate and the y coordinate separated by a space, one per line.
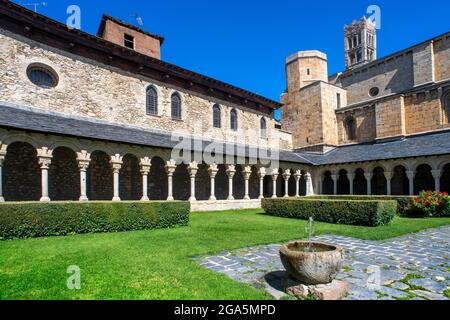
pixel 312 268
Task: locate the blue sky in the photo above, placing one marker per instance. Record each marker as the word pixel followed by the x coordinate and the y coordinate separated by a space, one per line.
pixel 245 42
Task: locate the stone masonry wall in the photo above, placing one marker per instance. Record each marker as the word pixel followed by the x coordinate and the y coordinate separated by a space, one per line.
pixel 365 124
pixel 390 118
pixel 87 88
pixel 442 59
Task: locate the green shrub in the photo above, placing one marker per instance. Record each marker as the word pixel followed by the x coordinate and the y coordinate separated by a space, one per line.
pixel 37 219
pixel 399 199
pixel 427 204
pixel 350 212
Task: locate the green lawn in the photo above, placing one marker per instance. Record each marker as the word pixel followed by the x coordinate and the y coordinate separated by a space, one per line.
pixel 156 264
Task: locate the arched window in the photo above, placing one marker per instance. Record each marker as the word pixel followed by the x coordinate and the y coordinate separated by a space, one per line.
pixel 217 121
pixel 233 120
pixel 263 127
pixel 350 128
pixel 176 106
pixel 446 105
pixel 152 101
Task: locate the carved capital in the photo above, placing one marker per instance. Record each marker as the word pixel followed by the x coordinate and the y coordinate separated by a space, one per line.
pixel 231 170
pixel 170 167
pixel 212 170
pixel 287 174
pixel 275 174
pixel 436 174
pixel 388 175
pixel 410 174
pixel 145 164
pixel 247 172
pixel 298 175
pixel 44 163
pixel 261 173
pixel 192 169
pixel 44 152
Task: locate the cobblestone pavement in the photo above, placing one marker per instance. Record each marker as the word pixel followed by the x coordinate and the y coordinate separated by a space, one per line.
pixel 415 266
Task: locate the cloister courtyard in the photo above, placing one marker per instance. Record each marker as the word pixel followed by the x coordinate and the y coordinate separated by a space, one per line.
pixel 164 264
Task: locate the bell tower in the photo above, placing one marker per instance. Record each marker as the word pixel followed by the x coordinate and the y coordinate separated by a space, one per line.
pixel 360 42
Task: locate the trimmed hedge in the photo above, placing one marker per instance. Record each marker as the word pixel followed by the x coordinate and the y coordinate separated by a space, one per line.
pixel 37 219
pixel 400 199
pixel 351 212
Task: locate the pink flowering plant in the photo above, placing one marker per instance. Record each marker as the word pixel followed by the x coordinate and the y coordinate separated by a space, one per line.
pixel 427 204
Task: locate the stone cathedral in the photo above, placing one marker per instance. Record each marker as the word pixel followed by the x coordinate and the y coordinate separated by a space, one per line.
pixel 91 117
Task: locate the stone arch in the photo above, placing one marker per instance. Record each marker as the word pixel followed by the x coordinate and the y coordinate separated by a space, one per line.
pixel 181 183
pixel 445 178
pixel 343 183
pixel 423 179
pixel 100 177
pixel 303 184
pixel 157 180
pixel 292 184
pixel 130 179
pixel 359 182
pixel 327 184
pixel 202 183
pixel 21 173
pixel 399 182
pixel 379 182
pixel 64 175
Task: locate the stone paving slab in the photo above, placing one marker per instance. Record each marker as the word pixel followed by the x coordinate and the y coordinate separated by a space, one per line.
pixel 415 266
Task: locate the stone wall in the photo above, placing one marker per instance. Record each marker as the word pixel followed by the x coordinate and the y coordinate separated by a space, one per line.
pixel 423 112
pixel 87 88
pixel 390 117
pixel 442 58
pixel 393 75
pixel 365 124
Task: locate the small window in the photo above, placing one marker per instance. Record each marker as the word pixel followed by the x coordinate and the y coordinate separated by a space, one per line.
pixel 373 92
pixel 128 41
pixel 338 100
pixel 350 128
pixel 263 126
pixel 233 120
pixel 176 106
pixel 308 71
pixel 42 76
pixel 152 101
pixel 216 116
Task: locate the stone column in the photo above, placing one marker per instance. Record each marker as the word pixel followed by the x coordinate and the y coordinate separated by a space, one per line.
pixel 44 158
pixel 212 170
pixel 116 163
pixel 388 175
pixel 230 173
pixel 145 166
pixel 2 159
pixel 192 169
pixel 286 177
pixel 368 177
pixel 247 173
pixel 274 182
pixel 334 177
pixel 297 176
pixel 83 160
pixel 351 178
pixel 309 185
pixel 261 175
pixel 410 175
pixel 170 169
pixel 437 179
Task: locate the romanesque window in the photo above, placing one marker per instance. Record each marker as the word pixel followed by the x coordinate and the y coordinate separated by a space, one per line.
pixel 152 101
pixel 263 127
pixel 350 128
pixel 446 105
pixel 176 106
pixel 233 120
pixel 216 116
